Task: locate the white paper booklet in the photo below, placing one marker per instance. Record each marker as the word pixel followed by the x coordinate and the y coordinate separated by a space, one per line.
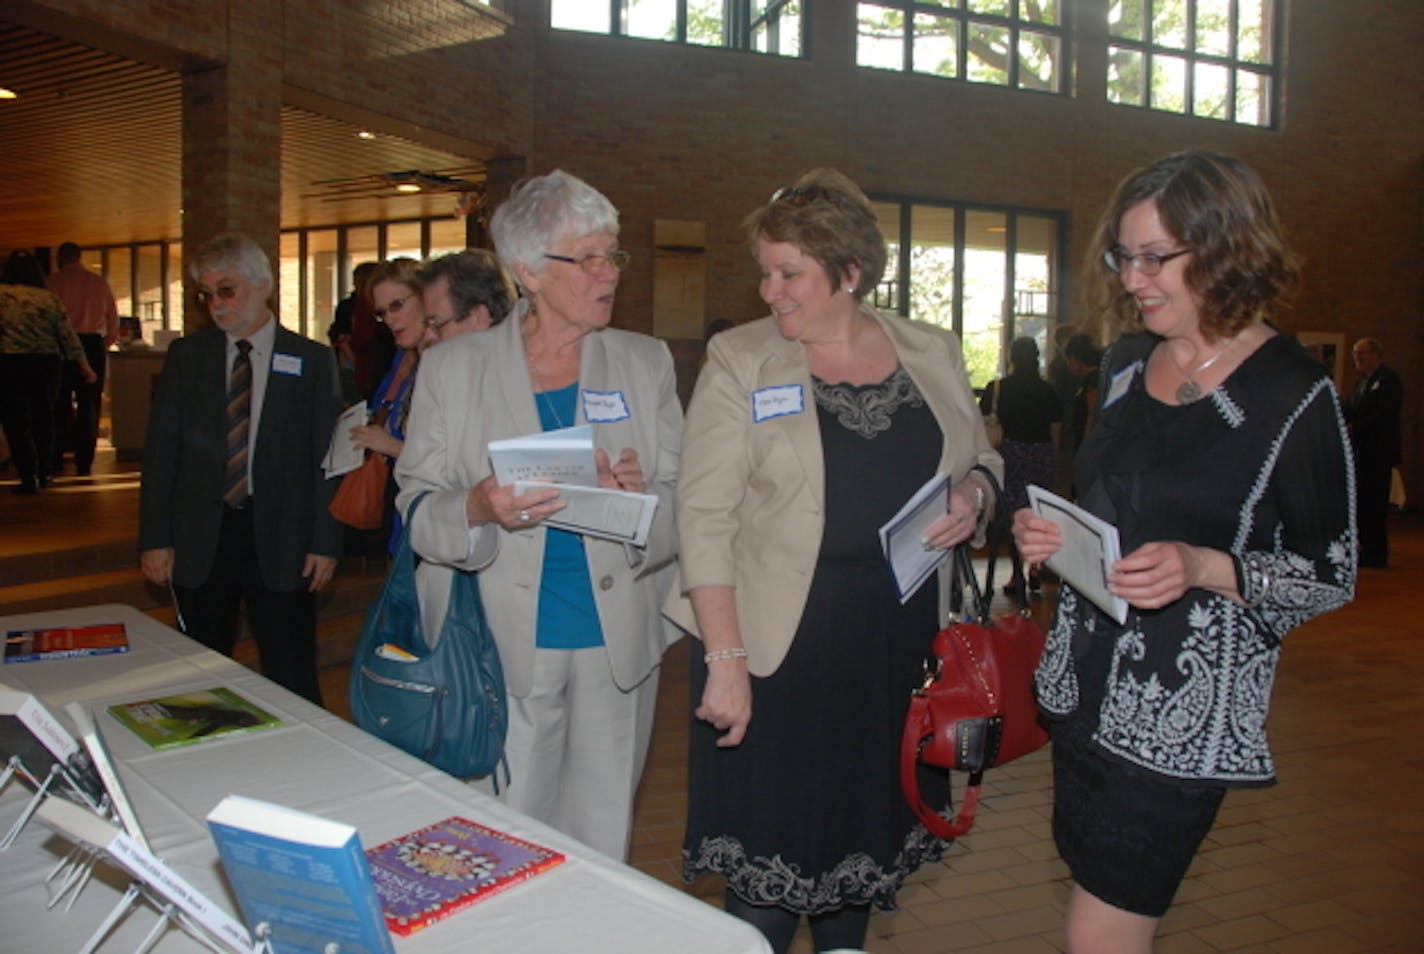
pixel 343 455
pixel 1090 548
pixel 902 537
pixel 81 825
pixel 600 512
pixel 553 457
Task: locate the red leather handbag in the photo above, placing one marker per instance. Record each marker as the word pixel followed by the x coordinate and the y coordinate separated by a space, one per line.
pixel 976 708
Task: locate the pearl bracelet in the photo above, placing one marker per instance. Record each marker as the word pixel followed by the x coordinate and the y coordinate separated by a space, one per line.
pixel 720 655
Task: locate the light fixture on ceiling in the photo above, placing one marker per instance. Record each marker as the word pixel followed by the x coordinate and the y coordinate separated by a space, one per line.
pixel 8 93
pixel 365 134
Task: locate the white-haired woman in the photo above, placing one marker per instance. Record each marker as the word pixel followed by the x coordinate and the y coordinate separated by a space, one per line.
pixel 576 618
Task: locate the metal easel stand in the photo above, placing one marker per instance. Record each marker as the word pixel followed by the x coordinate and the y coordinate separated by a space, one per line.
pixel 43 789
pixel 168 916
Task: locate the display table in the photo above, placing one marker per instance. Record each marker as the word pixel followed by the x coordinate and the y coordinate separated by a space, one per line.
pixel 317 763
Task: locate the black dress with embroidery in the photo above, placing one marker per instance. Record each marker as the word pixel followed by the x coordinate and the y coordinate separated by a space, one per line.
pixel 807 814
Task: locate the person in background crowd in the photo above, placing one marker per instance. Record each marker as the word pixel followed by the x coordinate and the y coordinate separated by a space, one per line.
pixel 1032 419
pixel 234 505
pixel 576 617
pixel 808 429
pixel 34 336
pixel 1220 455
pixel 370 343
pixel 94 316
pixel 395 296
pixel 1083 357
pixel 1373 411
pixel 1065 385
pixel 463 292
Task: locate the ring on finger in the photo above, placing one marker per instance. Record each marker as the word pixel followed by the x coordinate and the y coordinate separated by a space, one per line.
pixel 523 516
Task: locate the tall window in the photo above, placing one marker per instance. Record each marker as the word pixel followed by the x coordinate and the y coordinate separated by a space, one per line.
pixel 1209 58
pixel 1018 43
pixel 764 26
pixel 988 274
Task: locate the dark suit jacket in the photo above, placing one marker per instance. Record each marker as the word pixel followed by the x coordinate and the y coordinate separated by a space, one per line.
pixel 185 460
pixel 1373 413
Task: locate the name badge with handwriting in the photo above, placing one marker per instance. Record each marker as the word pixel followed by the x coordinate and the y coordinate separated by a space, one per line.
pixel 778 401
pixel 605 407
pixel 287 364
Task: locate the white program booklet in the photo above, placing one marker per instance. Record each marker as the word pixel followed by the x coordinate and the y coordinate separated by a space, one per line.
pixel 600 512
pixel 902 537
pixel 564 456
pixel 1090 548
pixel 343 454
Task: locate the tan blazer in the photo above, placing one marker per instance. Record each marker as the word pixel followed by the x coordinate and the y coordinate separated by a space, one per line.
pixel 751 500
pixel 476 388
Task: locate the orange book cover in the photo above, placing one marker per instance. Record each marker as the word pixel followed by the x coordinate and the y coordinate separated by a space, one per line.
pixel 61 642
pixel 431 873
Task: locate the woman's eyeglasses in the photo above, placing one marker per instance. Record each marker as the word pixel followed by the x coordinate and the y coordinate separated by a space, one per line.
pixel 594 262
pixel 393 308
pixel 1146 263
pixel 225 292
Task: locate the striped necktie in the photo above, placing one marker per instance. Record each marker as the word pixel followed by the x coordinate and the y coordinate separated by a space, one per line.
pixel 239 415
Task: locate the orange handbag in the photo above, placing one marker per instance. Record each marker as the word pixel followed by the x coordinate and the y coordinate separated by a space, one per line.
pixel 360 500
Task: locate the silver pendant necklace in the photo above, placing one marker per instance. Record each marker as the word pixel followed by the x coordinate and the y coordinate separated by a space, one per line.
pixel 1189 391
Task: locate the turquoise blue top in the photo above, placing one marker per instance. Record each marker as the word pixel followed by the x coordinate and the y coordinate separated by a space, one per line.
pixel 567 616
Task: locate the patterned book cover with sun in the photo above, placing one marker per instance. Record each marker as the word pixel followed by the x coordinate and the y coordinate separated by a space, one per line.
pixel 431 873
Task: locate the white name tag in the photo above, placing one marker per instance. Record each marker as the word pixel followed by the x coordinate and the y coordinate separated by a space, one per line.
pixel 778 401
pixel 605 407
pixel 1120 382
pixel 287 364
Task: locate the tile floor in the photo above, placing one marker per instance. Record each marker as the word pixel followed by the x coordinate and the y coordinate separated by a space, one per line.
pixel 1330 861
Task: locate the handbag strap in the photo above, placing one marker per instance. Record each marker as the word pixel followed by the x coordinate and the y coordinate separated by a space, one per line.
pixel 403 371
pixel 999 531
pixel 935 823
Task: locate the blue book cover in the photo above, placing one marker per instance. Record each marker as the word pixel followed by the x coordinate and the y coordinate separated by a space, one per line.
pixel 302 881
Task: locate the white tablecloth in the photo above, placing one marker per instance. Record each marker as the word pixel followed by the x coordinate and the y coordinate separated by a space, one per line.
pixel 318 763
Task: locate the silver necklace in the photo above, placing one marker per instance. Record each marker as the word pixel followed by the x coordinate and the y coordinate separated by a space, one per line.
pixel 1189 391
pixel 553 411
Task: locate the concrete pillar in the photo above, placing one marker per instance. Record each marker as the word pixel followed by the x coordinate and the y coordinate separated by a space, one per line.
pixel 232 142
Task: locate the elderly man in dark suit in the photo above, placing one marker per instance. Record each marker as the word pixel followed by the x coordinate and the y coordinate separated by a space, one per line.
pixel 1373 412
pixel 233 506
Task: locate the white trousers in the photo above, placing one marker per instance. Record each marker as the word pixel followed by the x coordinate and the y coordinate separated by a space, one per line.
pixel 577 745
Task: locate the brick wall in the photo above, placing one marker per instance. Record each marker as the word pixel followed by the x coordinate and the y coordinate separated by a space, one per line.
pixel 707 134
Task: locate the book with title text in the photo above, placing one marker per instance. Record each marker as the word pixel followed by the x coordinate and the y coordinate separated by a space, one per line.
pixel 431 873
pixel 64 642
pixel 301 880
pixel 185 718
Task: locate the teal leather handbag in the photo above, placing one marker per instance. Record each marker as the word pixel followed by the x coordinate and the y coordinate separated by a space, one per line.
pixel 446 705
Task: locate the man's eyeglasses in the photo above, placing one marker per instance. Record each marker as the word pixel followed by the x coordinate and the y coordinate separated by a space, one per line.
pixel 393 308
pixel 435 324
pixel 594 262
pixel 225 292
pixel 1146 263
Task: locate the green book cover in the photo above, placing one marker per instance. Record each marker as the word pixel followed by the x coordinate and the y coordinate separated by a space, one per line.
pixel 185 718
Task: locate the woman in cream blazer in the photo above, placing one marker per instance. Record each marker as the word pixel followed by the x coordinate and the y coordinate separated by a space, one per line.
pixel 581 714
pixel 807 431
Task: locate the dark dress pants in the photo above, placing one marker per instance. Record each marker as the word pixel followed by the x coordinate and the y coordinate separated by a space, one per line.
pixel 76 415
pixel 1372 478
pixel 27 383
pixel 282 622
